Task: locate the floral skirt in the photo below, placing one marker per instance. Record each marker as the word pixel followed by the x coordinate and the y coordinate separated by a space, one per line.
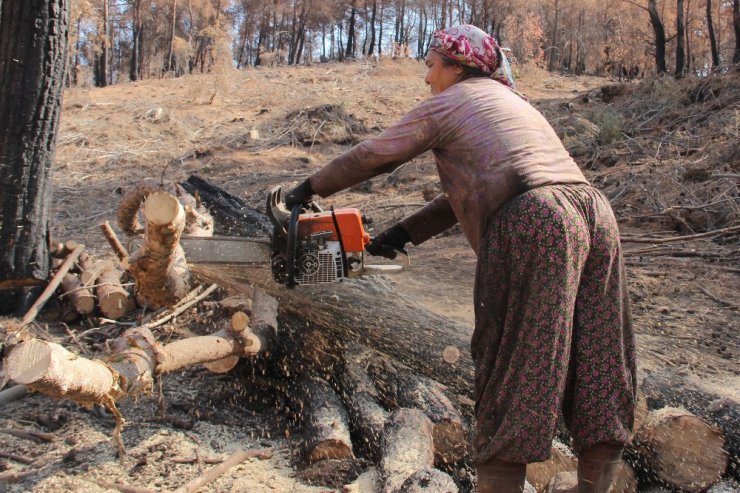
pixel 553 334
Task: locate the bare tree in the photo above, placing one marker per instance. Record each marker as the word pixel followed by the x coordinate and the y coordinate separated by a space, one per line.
pixel 660 40
pixel 736 24
pixel 680 50
pixel 33 44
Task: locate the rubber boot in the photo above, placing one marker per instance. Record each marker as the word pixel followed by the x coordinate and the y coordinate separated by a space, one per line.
pixel 597 466
pixel 497 476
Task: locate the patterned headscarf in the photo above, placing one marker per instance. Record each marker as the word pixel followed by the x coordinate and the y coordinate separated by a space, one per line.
pixel 474 48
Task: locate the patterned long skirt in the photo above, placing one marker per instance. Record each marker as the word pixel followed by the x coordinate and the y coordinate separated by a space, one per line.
pixel 553 334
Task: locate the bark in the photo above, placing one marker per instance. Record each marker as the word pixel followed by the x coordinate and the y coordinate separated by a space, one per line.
pixel 659 32
pixel 670 389
pixel 367 416
pixel 81 297
pixel 682 450
pixel 136 356
pixel 159 267
pixel 33 43
pixel 114 300
pixel 231 214
pixel 325 422
pixel 400 387
pixel 407 448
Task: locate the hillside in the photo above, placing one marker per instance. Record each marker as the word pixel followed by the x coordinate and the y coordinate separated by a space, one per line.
pixel 666 153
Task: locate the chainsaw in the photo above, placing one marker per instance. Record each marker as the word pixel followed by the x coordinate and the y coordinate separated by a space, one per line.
pixel 308 246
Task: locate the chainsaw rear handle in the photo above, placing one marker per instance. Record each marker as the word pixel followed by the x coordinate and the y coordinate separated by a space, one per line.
pixel 279 214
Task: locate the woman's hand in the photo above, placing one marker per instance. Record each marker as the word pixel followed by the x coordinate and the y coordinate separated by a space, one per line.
pixel 388 243
pixel 302 194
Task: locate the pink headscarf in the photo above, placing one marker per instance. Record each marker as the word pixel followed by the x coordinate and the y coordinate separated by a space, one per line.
pixel 472 47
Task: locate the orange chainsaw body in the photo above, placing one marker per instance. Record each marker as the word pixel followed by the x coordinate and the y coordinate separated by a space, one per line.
pixel 352 232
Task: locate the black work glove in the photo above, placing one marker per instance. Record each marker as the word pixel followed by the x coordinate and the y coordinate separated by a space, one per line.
pixel 388 243
pixel 302 194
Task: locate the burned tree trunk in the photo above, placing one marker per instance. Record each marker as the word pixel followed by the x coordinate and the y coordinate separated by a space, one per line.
pixel 33 43
pixel 367 416
pixel 325 423
pixel 369 312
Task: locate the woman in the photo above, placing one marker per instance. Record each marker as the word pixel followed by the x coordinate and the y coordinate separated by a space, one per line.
pixel 553 335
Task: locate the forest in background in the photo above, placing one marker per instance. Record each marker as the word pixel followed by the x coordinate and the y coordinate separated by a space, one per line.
pixel 113 41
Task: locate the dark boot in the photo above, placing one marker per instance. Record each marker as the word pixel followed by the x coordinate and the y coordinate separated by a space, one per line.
pixel 497 476
pixel 597 466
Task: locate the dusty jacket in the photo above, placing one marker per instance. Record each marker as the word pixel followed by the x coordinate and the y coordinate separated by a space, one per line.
pixel 489 146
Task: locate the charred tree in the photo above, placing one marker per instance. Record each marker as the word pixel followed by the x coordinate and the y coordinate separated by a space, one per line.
pixel 680 38
pixel 712 35
pixel 33 45
pixel 350 51
pixel 372 28
pixel 137 35
pixel 660 40
pixel 736 25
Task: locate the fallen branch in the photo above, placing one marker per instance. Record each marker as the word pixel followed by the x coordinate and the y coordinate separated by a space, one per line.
pixel 124 488
pixel 52 286
pixel 722 302
pixel 181 307
pixel 35 436
pixel 115 244
pixel 216 472
pixel 15 457
pixel 648 239
pixel 13 394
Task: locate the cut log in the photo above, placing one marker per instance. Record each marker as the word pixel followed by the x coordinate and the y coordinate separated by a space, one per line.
pixel 159 267
pixel 671 389
pixel 367 416
pixel 428 481
pixel 113 299
pixel 264 323
pixel 232 216
pixel 562 459
pixel 333 473
pixel 681 449
pixel 51 369
pixel 325 423
pixel 238 327
pixel 407 447
pixel 400 387
pixel 79 296
pixel 370 312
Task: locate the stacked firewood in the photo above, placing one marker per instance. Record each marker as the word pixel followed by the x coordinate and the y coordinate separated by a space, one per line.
pixel 91 283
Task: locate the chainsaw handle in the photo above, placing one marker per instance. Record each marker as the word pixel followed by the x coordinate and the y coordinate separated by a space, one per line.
pixel 292 240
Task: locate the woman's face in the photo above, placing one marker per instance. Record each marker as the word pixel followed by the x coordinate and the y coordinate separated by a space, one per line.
pixel 440 76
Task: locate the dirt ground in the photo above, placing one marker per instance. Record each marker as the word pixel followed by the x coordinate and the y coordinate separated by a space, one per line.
pixel 250 130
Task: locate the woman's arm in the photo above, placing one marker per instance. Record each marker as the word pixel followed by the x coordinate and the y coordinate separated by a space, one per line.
pixel 414 134
pixel 432 219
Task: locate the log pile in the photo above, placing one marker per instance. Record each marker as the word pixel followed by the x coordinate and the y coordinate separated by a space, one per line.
pixel 335 354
